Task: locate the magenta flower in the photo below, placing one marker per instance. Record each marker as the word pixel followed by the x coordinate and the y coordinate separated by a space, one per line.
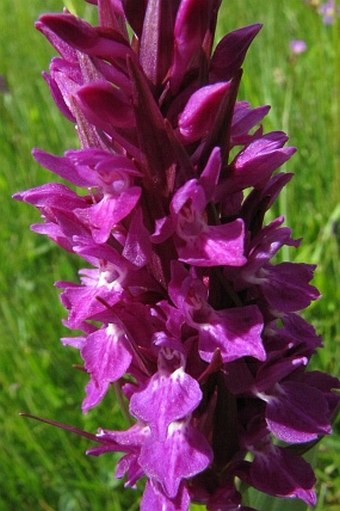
pixel 181 306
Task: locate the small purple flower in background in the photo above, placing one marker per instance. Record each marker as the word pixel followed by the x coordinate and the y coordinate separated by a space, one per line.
pixel 329 11
pixel 182 305
pixel 3 85
pixel 297 46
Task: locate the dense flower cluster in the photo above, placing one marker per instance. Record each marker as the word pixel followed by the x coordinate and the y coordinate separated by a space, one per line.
pixel 182 305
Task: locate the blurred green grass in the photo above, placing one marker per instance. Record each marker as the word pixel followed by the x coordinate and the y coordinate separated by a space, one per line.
pixel 43 468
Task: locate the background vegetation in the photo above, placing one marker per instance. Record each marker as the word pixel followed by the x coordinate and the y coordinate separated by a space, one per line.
pixel 43 468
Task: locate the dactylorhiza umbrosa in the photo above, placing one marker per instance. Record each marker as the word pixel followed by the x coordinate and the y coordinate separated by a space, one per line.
pixel 181 306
